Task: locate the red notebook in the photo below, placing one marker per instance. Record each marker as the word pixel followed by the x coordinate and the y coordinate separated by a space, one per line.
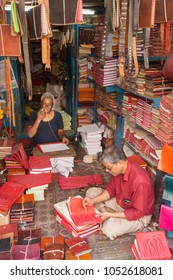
pixel 40 163
pixel 9 192
pixel 151 246
pixel 78 246
pixel 166 218
pixel 18 154
pixel 82 215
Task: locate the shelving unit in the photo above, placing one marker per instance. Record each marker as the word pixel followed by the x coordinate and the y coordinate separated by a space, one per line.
pixel 73 82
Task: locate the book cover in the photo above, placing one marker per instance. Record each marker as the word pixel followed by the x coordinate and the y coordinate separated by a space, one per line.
pixel 82 215
pixel 78 246
pixel 40 163
pixel 152 246
pixel 166 217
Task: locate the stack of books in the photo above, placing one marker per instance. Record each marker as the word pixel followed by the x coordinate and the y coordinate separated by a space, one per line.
pixel 106 74
pixel 21 213
pixel 39 165
pixel 91 138
pixel 5 148
pixel 63 165
pixel 36 184
pixel 63 216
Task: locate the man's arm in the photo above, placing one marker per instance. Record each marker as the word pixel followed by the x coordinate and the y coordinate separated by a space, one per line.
pixel 100 198
pixel 32 129
pixel 62 137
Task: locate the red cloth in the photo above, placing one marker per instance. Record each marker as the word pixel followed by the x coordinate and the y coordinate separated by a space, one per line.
pixel 79 181
pixel 134 192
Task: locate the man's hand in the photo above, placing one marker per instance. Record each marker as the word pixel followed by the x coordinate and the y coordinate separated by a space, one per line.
pixel 65 140
pixel 105 215
pixel 41 114
pixel 87 201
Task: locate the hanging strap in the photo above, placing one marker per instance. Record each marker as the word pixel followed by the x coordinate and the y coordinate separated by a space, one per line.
pixel 146 35
pixel 23 19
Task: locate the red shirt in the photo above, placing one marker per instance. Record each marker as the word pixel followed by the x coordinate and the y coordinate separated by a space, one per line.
pixel 134 192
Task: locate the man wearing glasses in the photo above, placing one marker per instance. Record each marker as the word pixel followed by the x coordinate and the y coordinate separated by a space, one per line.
pixel 45 124
pixel 127 203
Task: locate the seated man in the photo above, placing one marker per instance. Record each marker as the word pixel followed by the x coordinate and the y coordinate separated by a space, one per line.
pixel 46 125
pixel 127 203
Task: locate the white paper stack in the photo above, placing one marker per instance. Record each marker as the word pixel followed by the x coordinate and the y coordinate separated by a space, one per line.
pixel 91 138
pixel 62 165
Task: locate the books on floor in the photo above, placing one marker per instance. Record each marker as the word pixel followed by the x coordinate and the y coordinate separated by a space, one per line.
pixel 82 215
pixel 151 245
pixel 91 138
pixel 78 246
pixel 39 165
pixel 64 218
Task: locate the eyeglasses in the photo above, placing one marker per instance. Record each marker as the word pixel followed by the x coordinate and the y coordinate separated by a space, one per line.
pixel 109 168
pixel 49 106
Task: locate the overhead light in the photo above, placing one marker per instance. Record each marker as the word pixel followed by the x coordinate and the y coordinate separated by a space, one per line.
pixel 8 8
pixel 88 12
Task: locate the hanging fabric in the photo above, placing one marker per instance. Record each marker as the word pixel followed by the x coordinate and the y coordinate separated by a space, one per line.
pixel 23 19
pixel 46 32
pixel 64 12
pixel 9 45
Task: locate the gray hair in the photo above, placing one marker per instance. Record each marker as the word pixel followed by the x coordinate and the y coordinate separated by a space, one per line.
pixel 112 154
pixel 47 95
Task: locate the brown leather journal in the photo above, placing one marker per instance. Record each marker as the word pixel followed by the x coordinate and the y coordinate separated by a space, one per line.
pixel 147 13
pixel 48 240
pixel 70 256
pixel 54 251
pixel 164 11
pixel 9 45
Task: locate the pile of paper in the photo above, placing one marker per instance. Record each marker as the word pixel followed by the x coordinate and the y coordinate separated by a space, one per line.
pixel 63 165
pixel 91 138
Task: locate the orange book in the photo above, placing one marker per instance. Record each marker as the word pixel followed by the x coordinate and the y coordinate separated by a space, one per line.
pixel 70 256
pixel 165 162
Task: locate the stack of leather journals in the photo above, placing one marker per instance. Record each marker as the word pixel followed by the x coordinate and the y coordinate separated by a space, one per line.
pixel 5 249
pixel 5 148
pixel 64 218
pixel 77 249
pixel 52 247
pixel 22 213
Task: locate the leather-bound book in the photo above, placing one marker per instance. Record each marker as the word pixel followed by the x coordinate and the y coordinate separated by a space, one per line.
pixel 70 256
pixel 54 251
pixel 78 246
pixel 48 240
pixel 151 246
pixel 166 217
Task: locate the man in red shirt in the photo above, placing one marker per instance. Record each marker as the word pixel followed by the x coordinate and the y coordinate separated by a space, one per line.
pixel 127 203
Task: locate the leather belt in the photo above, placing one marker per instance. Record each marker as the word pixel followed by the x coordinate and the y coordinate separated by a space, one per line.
pixel 105 30
pixel 123 20
pixel 146 35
